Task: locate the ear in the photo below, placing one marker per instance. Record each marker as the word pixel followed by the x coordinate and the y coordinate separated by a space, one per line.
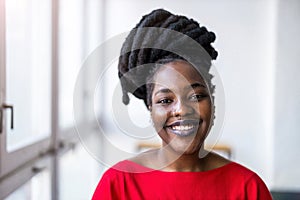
pixel 150 108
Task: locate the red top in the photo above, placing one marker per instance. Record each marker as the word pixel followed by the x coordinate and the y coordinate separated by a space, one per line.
pixel 232 181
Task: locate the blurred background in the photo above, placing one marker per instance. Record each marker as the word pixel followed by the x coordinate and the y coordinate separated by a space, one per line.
pixel 51 148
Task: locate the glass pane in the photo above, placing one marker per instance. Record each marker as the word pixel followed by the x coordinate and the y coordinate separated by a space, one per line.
pixel 70 56
pixel 28 70
pixel 78 181
pixel 37 188
pixel 94 37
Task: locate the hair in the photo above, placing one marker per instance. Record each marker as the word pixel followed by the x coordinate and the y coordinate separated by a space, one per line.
pixel 135 51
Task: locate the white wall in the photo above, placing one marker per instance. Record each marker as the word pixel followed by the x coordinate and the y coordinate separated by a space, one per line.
pixel 287 98
pixel 246 40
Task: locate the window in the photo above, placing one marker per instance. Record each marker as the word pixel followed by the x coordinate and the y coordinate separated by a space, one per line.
pixel 70 55
pixel 28 65
pixel 36 188
pixel 26 81
pixel 43 44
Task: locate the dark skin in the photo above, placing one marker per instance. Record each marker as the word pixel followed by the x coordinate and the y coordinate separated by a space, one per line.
pixel 181 111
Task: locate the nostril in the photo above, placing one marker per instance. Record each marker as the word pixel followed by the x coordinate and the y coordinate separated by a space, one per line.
pixel 174 113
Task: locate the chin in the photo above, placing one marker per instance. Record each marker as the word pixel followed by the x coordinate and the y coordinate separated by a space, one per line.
pixel 185 149
pixel 179 144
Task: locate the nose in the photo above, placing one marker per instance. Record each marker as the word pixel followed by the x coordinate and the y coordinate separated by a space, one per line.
pixel 182 108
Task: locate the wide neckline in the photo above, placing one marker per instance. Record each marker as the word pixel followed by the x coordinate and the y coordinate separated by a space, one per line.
pixel 141 168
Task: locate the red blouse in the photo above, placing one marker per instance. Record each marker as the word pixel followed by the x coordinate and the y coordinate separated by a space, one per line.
pixel 131 181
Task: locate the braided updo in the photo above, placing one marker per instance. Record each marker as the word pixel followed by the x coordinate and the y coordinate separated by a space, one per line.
pixel 150 47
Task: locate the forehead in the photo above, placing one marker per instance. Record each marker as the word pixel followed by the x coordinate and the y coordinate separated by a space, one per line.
pixel 177 74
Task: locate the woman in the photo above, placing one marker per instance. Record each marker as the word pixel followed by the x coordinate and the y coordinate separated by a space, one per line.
pixel 173 80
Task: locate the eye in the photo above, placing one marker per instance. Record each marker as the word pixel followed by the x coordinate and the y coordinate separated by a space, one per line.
pixel 164 101
pixel 198 97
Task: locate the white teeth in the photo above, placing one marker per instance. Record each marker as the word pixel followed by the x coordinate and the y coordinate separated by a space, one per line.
pixel 183 128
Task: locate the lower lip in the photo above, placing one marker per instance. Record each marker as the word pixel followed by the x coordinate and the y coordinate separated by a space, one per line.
pixel 183 133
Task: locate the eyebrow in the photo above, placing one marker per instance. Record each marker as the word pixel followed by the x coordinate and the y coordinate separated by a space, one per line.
pixel 163 90
pixel 195 85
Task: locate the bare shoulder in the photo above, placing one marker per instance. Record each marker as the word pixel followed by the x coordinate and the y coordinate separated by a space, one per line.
pixel 215 161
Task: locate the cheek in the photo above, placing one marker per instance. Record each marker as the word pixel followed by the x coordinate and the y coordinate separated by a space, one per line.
pixel 205 109
pixel 159 117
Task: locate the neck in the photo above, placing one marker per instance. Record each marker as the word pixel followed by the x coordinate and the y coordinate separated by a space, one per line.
pixel 173 161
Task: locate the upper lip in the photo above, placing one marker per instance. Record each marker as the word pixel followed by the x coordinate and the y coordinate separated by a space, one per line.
pixel 185 122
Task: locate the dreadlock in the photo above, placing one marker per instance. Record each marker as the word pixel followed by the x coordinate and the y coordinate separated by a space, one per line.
pixel 144 46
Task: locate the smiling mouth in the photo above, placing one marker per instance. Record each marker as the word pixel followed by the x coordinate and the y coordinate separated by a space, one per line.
pixel 184 127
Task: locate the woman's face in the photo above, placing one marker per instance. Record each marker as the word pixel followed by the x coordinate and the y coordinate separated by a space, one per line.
pixel 181 107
